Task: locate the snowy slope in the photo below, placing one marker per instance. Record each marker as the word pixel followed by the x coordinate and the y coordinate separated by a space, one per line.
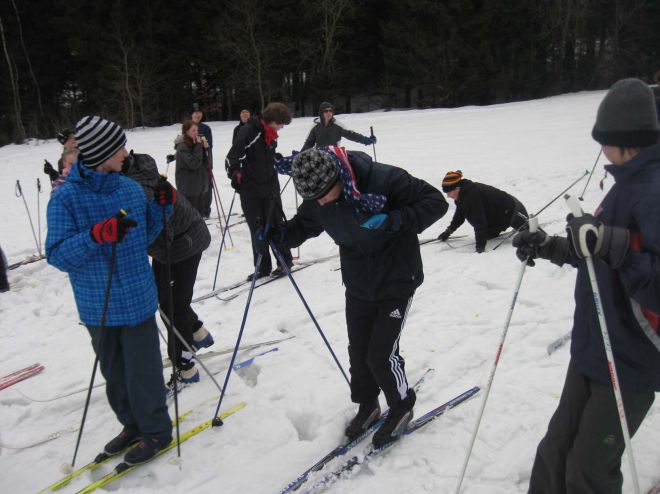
pixel 297 401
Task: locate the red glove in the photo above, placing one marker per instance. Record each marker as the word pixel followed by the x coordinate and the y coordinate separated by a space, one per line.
pixel 236 180
pixel 164 193
pixel 112 230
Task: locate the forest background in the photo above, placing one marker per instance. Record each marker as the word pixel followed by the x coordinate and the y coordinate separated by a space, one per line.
pixel 143 62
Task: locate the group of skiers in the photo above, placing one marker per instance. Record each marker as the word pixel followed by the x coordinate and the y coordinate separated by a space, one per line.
pixel 113 209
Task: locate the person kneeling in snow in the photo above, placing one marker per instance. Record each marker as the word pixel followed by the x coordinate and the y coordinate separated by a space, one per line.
pixel 582 449
pixel 489 210
pixel 374 213
pixel 96 213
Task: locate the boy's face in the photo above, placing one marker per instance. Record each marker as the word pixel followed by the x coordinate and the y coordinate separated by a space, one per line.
pixel 454 193
pixel 114 162
pixel 245 116
pixel 197 116
pixel 276 126
pixel 332 195
pixel 618 155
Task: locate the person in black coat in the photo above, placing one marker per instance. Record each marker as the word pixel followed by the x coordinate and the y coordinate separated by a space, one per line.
pixel 250 166
pixel 192 176
pixel 244 116
pixel 582 448
pixel 381 266
pixel 188 238
pixel 328 132
pixel 490 211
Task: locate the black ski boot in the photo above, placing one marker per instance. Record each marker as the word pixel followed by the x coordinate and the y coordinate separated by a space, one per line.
pixel 144 451
pixel 367 414
pixel 127 437
pixel 396 422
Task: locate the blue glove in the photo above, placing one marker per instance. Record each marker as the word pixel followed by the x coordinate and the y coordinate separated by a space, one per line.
pixel 377 222
pixel 369 140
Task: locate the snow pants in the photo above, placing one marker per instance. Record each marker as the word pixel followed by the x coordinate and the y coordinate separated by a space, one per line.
pixel 4 283
pixel 130 361
pixel 374 329
pixel 184 274
pixel 581 451
pixel 256 211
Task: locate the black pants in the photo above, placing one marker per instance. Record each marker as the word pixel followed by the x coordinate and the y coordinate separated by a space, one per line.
pixel 184 274
pixel 208 201
pixel 581 451
pixel 130 361
pixel 4 283
pixel 374 329
pixel 198 202
pixel 256 211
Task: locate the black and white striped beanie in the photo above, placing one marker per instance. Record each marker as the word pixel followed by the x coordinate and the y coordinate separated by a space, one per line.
pixel 98 139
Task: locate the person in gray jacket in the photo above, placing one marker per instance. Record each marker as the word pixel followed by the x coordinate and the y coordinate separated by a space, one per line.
pixel 188 238
pixel 328 132
pixel 192 177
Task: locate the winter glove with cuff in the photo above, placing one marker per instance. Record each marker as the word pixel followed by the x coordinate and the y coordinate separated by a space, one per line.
pixel 164 193
pixel 367 141
pixel 390 222
pixel 530 245
pixel 480 249
pixel 261 240
pixel 50 171
pixel 236 180
pixel 113 229
pixel 591 237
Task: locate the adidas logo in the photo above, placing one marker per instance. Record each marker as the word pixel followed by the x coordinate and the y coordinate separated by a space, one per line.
pixel 396 314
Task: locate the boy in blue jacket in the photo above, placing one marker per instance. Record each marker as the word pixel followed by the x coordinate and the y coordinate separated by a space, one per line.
pixel 84 225
pixel 581 451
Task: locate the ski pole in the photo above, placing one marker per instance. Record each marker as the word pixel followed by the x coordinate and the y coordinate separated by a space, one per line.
pixel 309 311
pixel 39 214
pixel 576 209
pixel 533 223
pixel 222 242
pixel 19 193
pixel 219 202
pixel 295 195
pixel 287 183
pixel 513 232
pixel 104 312
pixel 590 175
pixel 170 303
pixel 373 143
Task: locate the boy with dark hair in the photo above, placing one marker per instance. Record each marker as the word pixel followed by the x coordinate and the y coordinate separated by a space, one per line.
pixel 327 131
pixel 490 211
pixel 250 167
pixel 374 213
pixel 85 226
pixel 582 448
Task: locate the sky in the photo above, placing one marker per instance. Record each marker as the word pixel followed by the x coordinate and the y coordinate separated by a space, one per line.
pixel 297 402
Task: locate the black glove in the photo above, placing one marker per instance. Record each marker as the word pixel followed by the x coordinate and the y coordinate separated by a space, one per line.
pixel 278 156
pixel 170 157
pixel 50 171
pixel 236 180
pixel 261 240
pixel 480 249
pixel 164 193
pixel 530 245
pixel 591 237
pixel 444 236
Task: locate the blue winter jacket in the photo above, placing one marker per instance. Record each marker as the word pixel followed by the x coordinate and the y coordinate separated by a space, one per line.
pixel 630 294
pixel 85 199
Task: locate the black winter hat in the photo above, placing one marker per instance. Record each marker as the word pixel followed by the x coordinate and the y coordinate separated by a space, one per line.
pixel 627 116
pixel 98 139
pixel 196 106
pixel 314 173
pixel 326 105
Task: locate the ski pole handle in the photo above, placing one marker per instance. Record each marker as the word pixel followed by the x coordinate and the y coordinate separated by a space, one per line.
pixel 39 186
pixel 533 223
pixel 573 205
pixel 372 131
pixel 18 191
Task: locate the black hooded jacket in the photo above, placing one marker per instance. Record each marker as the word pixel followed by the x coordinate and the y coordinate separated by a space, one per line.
pixel 486 208
pixel 375 264
pixel 186 229
pixel 329 135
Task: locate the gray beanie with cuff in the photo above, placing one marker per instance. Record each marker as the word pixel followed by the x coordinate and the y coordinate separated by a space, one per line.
pixel 314 172
pixel 627 116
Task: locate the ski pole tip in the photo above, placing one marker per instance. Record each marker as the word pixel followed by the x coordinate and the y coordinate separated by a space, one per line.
pixel 66 468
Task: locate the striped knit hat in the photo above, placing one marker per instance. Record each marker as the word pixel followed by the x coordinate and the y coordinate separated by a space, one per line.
pixel 452 180
pixel 98 139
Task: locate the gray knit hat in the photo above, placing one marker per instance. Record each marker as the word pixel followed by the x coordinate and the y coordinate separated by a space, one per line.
pixel 314 173
pixel 627 116
pixel 98 139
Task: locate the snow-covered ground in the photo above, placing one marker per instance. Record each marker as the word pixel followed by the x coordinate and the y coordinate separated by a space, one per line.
pixel 297 401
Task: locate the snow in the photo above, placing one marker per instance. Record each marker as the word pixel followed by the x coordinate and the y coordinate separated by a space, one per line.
pixel 297 400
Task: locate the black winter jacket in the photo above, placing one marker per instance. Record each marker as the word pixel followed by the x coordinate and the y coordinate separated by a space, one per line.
pixel 630 294
pixel 486 208
pixel 250 154
pixel 375 264
pixel 330 135
pixel 186 229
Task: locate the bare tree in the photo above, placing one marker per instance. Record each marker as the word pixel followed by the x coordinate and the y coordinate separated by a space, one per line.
pixel 19 130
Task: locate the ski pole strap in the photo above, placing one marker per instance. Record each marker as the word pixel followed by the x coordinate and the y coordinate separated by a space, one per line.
pixel 18 190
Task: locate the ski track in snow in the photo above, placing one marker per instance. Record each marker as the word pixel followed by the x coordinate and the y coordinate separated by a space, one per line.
pixel 297 401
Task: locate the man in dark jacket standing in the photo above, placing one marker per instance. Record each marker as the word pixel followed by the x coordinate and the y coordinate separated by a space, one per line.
pixel 328 132
pixel 243 117
pixel 490 211
pixel 374 213
pixel 250 165
pixel 205 134
pixel 582 448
